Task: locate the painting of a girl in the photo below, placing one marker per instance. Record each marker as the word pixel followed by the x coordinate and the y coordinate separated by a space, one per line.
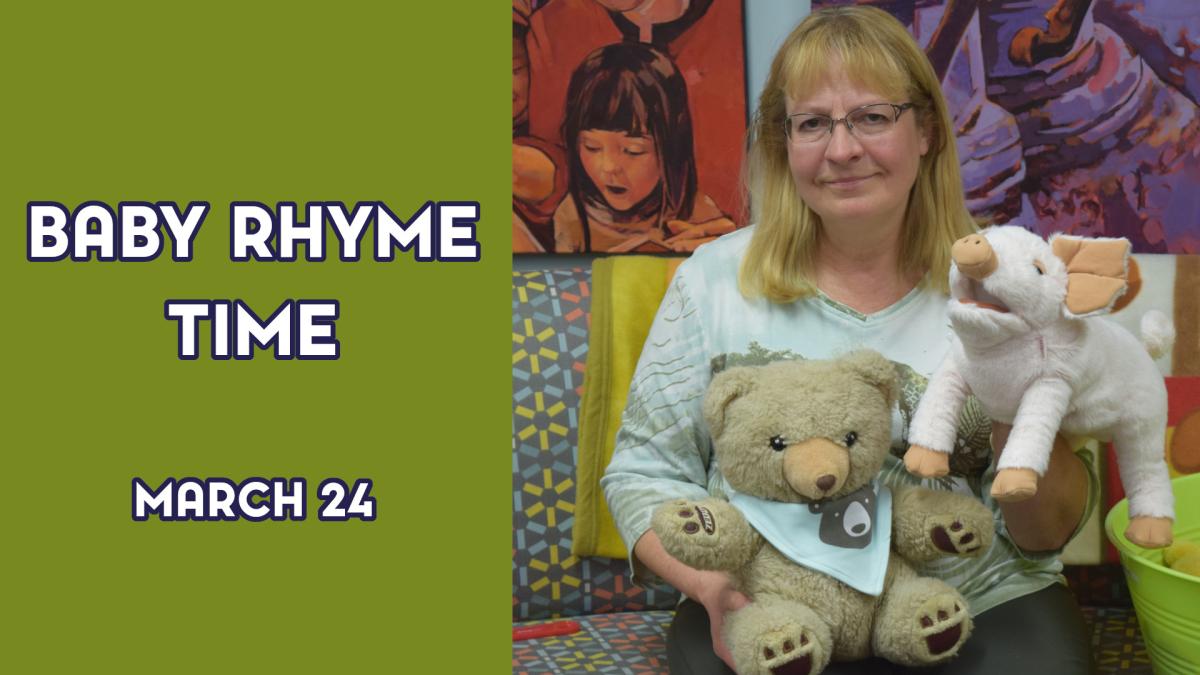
pixel 631 168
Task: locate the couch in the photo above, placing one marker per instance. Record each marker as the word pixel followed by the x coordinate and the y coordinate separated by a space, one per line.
pixel 623 627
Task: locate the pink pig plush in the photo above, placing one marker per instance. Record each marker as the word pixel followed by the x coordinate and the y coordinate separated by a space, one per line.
pixel 1029 344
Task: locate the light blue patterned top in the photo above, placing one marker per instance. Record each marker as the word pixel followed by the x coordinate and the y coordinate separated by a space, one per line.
pixel 704 325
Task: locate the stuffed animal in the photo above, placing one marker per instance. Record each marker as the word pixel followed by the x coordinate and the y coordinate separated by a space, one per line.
pixel 819 545
pixel 1029 344
pixel 1183 556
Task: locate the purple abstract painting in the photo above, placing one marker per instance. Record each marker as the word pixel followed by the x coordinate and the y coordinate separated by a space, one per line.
pixel 1073 116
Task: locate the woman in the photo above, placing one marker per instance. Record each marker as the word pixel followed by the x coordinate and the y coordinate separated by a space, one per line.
pixel 854 180
pixel 632 172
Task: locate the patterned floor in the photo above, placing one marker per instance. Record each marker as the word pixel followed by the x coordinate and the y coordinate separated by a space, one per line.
pixel 630 642
pixel 634 642
pixel 1116 641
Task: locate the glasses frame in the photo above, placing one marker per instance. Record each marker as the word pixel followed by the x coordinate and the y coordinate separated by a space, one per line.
pixel 787 121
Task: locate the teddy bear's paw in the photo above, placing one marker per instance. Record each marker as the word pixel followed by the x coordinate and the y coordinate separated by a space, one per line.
pixel 774 636
pixel 687 523
pixel 1014 485
pixel 954 535
pixel 1149 532
pixel 695 519
pixel 943 625
pixel 787 652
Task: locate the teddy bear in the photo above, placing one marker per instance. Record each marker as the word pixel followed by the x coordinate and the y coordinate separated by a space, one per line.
pixel 821 547
pixel 1030 343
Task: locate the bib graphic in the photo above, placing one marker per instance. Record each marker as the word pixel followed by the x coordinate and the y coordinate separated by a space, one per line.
pixel 848 538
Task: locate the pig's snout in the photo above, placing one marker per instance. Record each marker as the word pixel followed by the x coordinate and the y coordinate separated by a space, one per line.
pixel 974 256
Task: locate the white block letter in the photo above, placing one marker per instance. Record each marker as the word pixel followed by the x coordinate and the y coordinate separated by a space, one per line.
pixel 183 230
pixel 189 501
pixel 103 239
pixel 221 496
pixel 316 338
pixel 350 232
pixel 248 488
pixel 281 499
pixel 277 329
pixel 243 239
pixel 188 313
pixel 139 222
pixel 47 220
pixel 311 233
pixel 456 223
pixel 418 229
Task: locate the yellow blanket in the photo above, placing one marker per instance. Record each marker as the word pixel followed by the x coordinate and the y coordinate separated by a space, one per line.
pixel 626 292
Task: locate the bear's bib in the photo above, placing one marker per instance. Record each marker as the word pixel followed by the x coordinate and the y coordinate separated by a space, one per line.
pixel 848 538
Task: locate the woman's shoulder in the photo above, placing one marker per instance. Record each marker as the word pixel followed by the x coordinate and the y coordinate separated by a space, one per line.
pixel 725 250
pixel 715 263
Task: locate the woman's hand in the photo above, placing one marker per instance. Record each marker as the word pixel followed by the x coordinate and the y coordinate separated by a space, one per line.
pixel 719 597
pixel 1046 521
pixel 714 590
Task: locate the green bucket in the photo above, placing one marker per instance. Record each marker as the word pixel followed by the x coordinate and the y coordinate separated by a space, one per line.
pixel 1167 602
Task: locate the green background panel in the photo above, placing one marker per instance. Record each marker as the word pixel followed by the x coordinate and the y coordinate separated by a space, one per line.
pixel 399 102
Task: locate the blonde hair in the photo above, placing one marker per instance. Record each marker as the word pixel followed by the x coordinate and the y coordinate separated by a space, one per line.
pixel 876 52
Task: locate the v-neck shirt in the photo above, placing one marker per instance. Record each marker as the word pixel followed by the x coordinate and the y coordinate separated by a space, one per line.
pixel 704 324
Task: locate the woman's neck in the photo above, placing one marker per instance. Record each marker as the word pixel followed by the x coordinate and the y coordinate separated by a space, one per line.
pixel 861 269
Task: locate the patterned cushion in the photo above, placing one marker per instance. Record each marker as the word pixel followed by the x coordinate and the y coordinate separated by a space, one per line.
pixel 633 642
pixel 550 322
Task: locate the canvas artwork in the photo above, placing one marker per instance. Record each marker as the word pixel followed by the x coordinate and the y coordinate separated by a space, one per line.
pixel 628 122
pixel 1073 116
pixel 1081 116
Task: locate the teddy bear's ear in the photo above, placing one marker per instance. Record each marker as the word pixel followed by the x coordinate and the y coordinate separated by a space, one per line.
pixel 725 387
pixel 1097 273
pixel 875 369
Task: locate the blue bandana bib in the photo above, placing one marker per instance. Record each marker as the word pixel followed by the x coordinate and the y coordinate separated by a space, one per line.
pixel 848 538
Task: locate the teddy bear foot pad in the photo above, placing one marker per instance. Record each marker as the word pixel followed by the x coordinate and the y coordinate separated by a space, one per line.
pixel 942 626
pixel 783 655
pixel 801 666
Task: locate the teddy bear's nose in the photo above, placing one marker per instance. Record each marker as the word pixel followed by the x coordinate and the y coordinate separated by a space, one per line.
pixel 974 256
pixel 826 482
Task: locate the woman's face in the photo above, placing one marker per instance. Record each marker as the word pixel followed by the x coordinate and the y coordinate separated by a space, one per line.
pixel 624 168
pixel 846 178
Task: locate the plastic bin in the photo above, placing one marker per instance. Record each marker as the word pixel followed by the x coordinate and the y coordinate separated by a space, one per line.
pixel 1167 602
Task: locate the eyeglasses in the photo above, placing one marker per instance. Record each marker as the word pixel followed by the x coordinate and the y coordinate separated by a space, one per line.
pixel 869 120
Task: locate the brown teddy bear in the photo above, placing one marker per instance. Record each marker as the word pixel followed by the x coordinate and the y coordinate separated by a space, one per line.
pixel 821 547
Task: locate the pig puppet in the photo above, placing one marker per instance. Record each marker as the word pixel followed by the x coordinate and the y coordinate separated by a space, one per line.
pixel 1028 344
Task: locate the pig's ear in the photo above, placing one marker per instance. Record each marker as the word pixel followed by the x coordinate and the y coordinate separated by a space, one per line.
pixel 1097 273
